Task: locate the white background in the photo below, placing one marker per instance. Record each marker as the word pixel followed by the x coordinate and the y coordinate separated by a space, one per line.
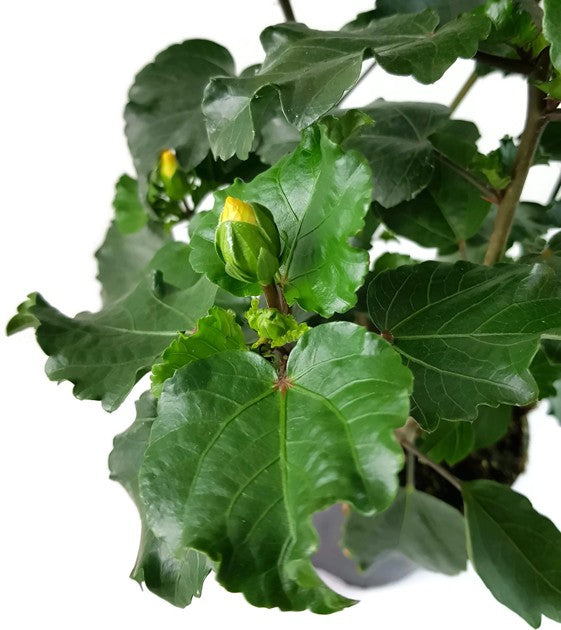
pixel 69 535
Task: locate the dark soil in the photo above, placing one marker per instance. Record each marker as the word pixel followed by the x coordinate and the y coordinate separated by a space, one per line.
pixel 502 462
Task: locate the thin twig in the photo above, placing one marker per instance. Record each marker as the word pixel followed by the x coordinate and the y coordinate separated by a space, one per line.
pixel 504 63
pixel 359 81
pixel 554 115
pixel 287 11
pixel 555 191
pixel 272 296
pixel 529 141
pixel 464 90
pixel 462 249
pixel 488 192
pixel 445 474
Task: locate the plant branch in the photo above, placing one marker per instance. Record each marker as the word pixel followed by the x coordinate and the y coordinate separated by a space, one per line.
pixel 554 115
pixel 535 123
pixel 555 191
pixel 504 63
pixel 272 296
pixel 488 192
pixel 464 90
pixel 287 11
pixel 445 474
pixel 359 81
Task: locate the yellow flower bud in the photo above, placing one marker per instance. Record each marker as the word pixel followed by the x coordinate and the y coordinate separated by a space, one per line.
pixel 168 164
pixel 237 210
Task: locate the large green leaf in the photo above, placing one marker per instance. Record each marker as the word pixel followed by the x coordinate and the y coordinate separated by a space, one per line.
pixel 515 550
pixel 164 108
pixel 176 580
pixel 130 214
pixel 424 529
pixel 447 9
pixel 398 148
pixel 216 332
pixel 122 258
pixel 552 29
pixel 312 69
pixel 467 332
pixel 318 196
pixel 240 457
pixel 105 353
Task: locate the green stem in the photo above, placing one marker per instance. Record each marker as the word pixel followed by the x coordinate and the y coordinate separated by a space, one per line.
pixel 535 123
pixel 464 90
pixel 410 471
pixel 445 474
pixel 287 11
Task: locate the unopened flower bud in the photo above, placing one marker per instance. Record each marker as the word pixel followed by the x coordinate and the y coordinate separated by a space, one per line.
pixel 248 242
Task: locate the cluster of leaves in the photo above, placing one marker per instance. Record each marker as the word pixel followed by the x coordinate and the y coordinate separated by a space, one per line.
pixel 306 414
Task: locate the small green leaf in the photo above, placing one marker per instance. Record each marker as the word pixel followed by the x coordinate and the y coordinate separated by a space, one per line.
pixel 312 69
pixel 24 317
pixel 122 258
pixel 164 108
pixel 514 549
pixel 240 458
pixel 424 529
pixel 176 580
pixel 104 354
pixel 306 192
pixel 552 29
pixel 468 333
pixel 450 442
pixel 398 148
pixel 130 215
pixel 272 326
pixel 491 425
pixel 214 333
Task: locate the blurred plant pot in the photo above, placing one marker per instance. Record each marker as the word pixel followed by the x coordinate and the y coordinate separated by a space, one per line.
pixel 503 462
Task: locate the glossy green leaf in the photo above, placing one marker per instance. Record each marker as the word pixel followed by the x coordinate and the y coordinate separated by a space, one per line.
pixel 552 29
pixel 104 354
pixel 306 193
pixel 491 425
pixel 468 333
pixel 514 549
pixel 176 580
pixel 398 148
pixel 164 108
pixel 447 9
pixel 241 458
pixel 424 529
pixel 130 214
pixel 214 333
pixel 449 442
pixel 312 69
pixel 123 258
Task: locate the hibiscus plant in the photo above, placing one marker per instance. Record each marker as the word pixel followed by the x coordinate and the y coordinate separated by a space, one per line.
pixel 292 370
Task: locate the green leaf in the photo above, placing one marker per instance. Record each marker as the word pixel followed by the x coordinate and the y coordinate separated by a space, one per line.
pixel 450 442
pixel 122 258
pixel 552 30
pixel 104 354
pixel 312 69
pixel 447 9
pixel 551 140
pixel 448 211
pixel 514 549
pixel 272 326
pixel 130 215
pixel 24 317
pixel 468 333
pixel 424 529
pixel 546 368
pixel 398 148
pixel 164 108
pixel 305 192
pixel 491 425
pixel 214 333
pixel 176 580
pixel 240 458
